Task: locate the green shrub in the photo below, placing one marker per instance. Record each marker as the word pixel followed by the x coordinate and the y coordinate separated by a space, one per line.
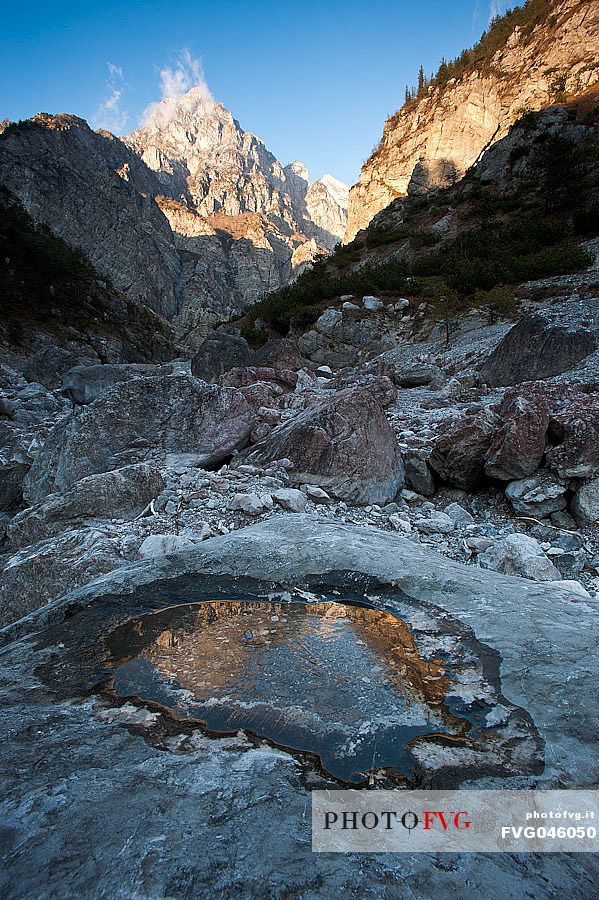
pixel 378 236
pixel 419 239
pixel 500 303
pixel 497 253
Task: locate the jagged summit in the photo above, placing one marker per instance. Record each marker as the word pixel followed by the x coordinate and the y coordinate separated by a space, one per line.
pixel 337 189
pixel 203 155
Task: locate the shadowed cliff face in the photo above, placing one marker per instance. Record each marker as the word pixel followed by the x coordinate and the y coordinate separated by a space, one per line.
pixel 432 141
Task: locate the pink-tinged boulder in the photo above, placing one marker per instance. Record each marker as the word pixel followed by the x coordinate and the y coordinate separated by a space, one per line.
pixel 517 447
pixel 242 376
pixel 343 443
pixel 380 386
pixel 458 455
pixel 263 393
pixel 172 419
pixel 262 386
pixel 574 436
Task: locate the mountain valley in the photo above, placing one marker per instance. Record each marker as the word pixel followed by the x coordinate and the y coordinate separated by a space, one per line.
pixel 227 387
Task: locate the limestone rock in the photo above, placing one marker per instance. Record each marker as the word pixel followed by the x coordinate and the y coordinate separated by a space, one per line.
pixel 585 505
pixel 379 385
pixel 519 554
pixel 571 587
pixel 537 496
pixel 418 475
pixel 290 499
pixel 251 504
pixel 121 493
pixel 161 544
pixel 316 494
pixel 190 215
pixel 419 376
pixel 343 444
pixel 173 418
pixel 219 353
pixel 435 523
pixel 544 343
pixel 84 384
pixel 432 142
pixel 574 432
pixel 12 476
pixel 245 376
pixel 48 569
pixel 49 365
pixel 458 514
pixel 328 321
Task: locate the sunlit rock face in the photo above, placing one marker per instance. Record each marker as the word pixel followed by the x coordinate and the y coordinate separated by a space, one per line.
pixel 190 215
pixel 203 156
pixel 432 143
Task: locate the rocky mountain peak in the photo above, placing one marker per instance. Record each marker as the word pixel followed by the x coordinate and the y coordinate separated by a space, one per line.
pixel 203 155
pixel 298 168
pixel 337 189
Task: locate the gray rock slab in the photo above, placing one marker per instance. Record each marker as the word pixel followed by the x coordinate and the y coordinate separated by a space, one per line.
pixel 92 809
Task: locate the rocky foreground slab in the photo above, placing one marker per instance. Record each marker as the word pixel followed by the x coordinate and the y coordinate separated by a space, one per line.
pixel 230 816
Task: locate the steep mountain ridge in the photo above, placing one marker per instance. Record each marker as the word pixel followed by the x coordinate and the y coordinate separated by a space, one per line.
pixel 469 249
pixel 195 224
pixel 548 52
pixel 201 153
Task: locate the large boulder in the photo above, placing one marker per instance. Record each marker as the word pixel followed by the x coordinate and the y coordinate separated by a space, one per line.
pixel 279 354
pixel 585 505
pixel 380 385
pixel 574 434
pixel 49 365
pixel 176 419
pixel 459 452
pixel 519 554
pixel 343 443
pixel 241 377
pixel 544 343
pixel 84 384
pixel 122 493
pixel 419 376
pixel 518 445
pixel 28 412
pixel 219 353
pixel 48 569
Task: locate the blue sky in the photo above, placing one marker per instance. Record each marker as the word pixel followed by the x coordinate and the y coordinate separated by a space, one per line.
pixel 314 80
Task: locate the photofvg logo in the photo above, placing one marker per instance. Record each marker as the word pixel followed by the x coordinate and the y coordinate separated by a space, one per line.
pixel 455 821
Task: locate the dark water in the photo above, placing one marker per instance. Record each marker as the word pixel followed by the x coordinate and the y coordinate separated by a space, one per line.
pixel 344 682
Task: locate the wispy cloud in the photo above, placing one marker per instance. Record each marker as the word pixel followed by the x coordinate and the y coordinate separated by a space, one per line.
pixel 497 8
pixel 110 114
pixel 185 74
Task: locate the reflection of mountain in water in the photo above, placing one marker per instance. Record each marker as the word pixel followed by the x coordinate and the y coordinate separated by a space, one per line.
pixel 341 681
